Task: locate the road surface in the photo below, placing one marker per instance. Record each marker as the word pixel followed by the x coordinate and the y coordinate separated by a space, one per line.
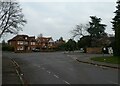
pixel 60 68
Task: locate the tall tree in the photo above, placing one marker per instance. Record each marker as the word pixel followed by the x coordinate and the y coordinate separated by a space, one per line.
pixel 11 17
pixel 84 42
pixel 80 30
pixel 116 28
pixel 96 29
pixel 3 42
pixel 70 45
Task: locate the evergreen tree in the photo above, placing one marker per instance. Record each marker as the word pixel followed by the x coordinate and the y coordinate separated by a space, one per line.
pixel 96 29
pixel 116 28
pixel 3 42
pixel 84 42
pixel 71 45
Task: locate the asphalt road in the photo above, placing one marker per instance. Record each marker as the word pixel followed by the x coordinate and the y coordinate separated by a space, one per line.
pixel 59 68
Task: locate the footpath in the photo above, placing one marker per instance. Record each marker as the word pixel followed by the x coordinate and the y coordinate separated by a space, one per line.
pixel 102 64
pixel 9 74
pixel 85 58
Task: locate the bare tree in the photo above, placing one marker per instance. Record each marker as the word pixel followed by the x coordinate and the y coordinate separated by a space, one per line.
pixel 11 17
pixel 80 30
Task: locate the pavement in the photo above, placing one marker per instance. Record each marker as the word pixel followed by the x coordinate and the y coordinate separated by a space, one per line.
pixel 9 73
pixel 85 58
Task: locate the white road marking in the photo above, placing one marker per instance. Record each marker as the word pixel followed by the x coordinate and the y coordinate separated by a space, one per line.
pixel 68 55
pixel 96 65
pixel 34 64
pixel 43 68
pixel 71 69
pixel 104 67
pixel 66 82
pixel 56 76
pixel 73 57
pixel 49 72
pixel 113 82
pixel 38 66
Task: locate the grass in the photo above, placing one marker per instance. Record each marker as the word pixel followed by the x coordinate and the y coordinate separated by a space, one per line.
pixel 107 59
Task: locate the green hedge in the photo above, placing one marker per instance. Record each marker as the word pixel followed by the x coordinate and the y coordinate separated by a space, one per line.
pixel 7 48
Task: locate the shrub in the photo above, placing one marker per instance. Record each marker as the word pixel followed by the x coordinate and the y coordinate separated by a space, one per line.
pixel 7 48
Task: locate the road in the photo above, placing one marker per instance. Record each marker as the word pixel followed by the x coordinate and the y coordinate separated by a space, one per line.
pixel 59 68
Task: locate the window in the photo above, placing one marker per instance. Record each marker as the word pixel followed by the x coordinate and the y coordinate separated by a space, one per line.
pixel 25 37
pixel 9 43
pixel 43 44
pixel 20 48
pixel 32 43
pixel 20 42
pixel 51 44
pixel 26 43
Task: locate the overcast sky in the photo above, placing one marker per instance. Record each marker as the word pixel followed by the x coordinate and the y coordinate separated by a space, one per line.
pixel 57 19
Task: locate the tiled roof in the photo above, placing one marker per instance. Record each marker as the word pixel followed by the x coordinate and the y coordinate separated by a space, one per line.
pixel 22 38
pixel 32 39
pixel 44 39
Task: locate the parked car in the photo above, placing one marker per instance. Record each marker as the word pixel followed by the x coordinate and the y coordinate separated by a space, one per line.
pixel 36 50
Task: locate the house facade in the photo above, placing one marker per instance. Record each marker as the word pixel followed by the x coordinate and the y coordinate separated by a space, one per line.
pixel 45 43
pixel 25 43
pixel 22 43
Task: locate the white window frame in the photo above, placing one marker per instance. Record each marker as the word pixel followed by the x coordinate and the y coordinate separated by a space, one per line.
pixel 25 37
pixel 32 43
pixel 20 42
pixel 20 48
pixel 9 43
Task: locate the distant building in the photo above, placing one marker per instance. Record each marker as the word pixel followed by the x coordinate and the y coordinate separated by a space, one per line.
pixel 104 45
pixel 60 42
pixel 45 43
pixel 23 43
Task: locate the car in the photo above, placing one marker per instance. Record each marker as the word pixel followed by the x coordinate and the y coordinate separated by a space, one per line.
pixel 36 50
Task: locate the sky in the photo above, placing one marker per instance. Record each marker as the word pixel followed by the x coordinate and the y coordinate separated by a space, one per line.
pixel 56 18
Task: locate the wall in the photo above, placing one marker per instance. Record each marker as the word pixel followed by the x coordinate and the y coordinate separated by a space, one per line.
pixel 95 50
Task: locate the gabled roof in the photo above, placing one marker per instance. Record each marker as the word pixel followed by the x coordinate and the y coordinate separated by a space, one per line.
pixel 32 39
pixel 51 40
pixel 22 38
pixel 44 39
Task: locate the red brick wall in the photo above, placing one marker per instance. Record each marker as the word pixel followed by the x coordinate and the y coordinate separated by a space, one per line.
pixel 94 50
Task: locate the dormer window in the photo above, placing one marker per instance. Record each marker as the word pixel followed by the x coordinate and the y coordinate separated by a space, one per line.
pixel 25 37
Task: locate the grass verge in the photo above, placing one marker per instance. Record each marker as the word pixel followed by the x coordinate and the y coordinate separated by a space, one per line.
pixel 107 59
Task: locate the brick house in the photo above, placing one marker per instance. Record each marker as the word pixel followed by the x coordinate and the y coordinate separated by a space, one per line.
pixel 23 43
pixel 45 43
pixel 60 42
